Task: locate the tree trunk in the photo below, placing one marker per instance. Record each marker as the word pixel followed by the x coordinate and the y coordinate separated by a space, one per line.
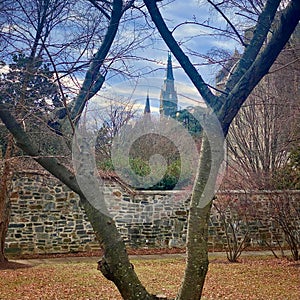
pixel 115 264
pixel 4 221
pixel 197 249
pixel 4 198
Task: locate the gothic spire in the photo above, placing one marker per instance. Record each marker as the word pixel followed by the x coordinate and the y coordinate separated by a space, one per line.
pixel 169 68
pixel 168 94
pixel 147 105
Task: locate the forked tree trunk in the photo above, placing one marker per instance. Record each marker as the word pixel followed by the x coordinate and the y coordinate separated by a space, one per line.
pixel 115 264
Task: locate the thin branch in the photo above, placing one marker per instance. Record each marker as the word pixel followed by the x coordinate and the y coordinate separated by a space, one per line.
pixel 60 88
pixel 128 4
pixel 247 17
pixel 284 66
pixel 259 35
pixel 228 21
pixel 101 9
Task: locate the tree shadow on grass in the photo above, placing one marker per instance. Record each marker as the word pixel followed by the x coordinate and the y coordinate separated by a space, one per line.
pixel 10 265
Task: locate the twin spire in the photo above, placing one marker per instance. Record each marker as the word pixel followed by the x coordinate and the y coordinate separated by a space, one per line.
pixel 168 95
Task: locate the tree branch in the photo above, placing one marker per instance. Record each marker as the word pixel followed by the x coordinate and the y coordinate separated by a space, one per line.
pixel 93 74
pixel 289 19
pixel 184 61
pixel 128 4
pixel 26 144
pixel 228 21
pixel 94 2
pixel 259 35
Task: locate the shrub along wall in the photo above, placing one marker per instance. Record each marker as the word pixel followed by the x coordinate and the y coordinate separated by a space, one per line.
pixel 46 217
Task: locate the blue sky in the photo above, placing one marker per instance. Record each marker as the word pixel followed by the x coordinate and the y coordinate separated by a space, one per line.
pixel 153 57
pixel 202 41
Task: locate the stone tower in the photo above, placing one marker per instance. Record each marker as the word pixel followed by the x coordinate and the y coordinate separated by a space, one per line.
pixel 168 94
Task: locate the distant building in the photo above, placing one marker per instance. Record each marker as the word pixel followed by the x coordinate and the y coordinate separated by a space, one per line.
pixel 228 68
pixel 147 106
pixel 169 104
pixel 168 94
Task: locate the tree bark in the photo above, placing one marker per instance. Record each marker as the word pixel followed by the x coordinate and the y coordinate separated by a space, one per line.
pixel 4 199
pixel 197 254
pixel 199 214
pixel 4 221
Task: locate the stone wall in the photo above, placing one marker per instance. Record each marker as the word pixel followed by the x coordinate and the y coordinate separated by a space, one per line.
pixel 46 217
pixel 255 216
pixel 149 218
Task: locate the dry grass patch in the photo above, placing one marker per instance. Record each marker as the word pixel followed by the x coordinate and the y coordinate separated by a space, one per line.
pixel 252 278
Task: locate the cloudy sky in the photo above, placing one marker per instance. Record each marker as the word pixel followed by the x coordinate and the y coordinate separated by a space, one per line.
pixel 190 36
pixel 147 61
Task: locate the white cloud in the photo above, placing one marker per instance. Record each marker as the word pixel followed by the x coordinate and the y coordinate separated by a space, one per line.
pixel 4 69
pixel 225 44
pixel 155 58
pixel 137 92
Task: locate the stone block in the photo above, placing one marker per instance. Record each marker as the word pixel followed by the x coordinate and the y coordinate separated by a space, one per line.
pixel 16 225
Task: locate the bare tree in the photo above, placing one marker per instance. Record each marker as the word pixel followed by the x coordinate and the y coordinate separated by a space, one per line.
pixel 250 69
pixel 284 210
pixel 266 129
pixel 115 264
pixel 234 216
pixel 109 119
pixel 254 63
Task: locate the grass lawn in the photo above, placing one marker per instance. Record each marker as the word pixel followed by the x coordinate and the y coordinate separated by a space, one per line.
pixel 261 278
